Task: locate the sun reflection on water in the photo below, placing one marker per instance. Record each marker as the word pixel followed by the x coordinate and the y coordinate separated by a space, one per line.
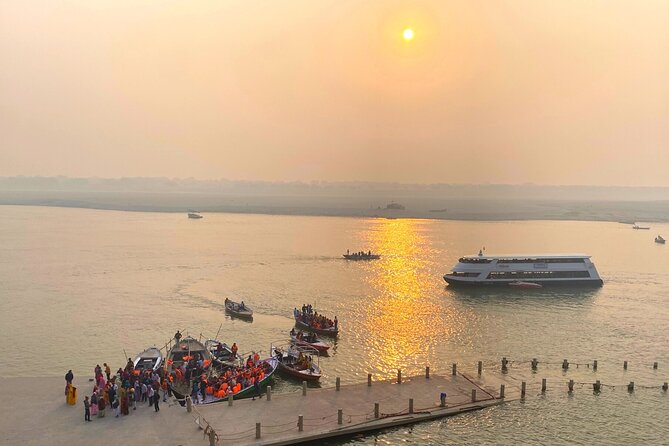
pixel 404 316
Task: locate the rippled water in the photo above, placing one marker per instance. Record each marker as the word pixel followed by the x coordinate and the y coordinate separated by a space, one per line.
pixel 81 287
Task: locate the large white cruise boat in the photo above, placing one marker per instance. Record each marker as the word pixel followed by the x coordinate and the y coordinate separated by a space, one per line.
pixel 543 269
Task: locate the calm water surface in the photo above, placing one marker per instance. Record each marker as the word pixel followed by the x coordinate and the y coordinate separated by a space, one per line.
pixel 81 287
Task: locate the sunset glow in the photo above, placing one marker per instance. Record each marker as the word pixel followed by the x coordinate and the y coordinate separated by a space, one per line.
pixel 408 34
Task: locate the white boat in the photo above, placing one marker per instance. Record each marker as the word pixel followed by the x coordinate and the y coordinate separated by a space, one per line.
pixel 194 215
pixel 640 227
pixel 660 240
pixel 526 285
pixel 149 359
pixel 541 269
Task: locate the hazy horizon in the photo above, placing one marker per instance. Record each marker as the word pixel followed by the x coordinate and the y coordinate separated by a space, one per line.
pixel 515 92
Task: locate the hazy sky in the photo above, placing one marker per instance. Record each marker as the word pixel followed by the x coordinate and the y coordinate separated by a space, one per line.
pixel 550 92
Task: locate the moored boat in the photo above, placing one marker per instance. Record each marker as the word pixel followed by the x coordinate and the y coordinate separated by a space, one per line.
pixel 221 386
pixel 308 340
pixel 298 362
pixel 316 323
pixel 222 354
pixel 187 352
pixel 149 359
pixel 660 240
pixel 240 310
pixel 526 285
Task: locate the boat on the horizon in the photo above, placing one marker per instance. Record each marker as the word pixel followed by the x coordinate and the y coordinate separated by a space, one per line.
pixel 541 269
pixel 237 309
pixel 149 359
pixel 659 239
pixel 194 214
pixel 307 339
pixel 640 227
pixel 297 362
pixel 525 285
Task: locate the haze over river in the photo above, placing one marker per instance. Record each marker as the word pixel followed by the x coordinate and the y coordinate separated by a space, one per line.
pixel 80 286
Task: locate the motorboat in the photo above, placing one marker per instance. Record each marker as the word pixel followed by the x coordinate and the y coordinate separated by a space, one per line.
pixel 526 285
pixel 660 240
pixel 297 362
pixel 194 215
pixel 316 323
pixel 150 359
pixel 540 269
pixel 240 310
pixel 306 339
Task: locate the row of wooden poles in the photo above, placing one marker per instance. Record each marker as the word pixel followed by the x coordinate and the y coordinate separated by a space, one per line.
pixel 597 386
pixel 565 365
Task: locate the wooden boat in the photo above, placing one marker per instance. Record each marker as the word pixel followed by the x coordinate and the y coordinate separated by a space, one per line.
pixel 303 323
pixel 525 285
pixel 186 350
pixel 270 365
pixel 221 353
pixel 309 340
pixel 361 256
pixel 149 359
pixel 660 240
pixel 240 310
pixel 297 362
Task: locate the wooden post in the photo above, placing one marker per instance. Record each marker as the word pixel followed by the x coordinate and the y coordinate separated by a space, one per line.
pixel 523 386
pixel 480 367
pixel 504 362
pixel 625 365
pixel 427 372
pixel 300 423
pixel 189 404
pixel 212 437
pixel 571 385
pixel 565 364
pixel 376 410
pixel 473 395
pixel 597 386
pixel 369 380
pixel 655 365
pixel 230 400
pixel 594 365
pixel 543 385
pixel 630 386
pixel 257 431
pixel 399 376
pixel 535 363
pixel 337 384
pixel 442 399
pixel 455 369
pixel 501 391
pixel 304 388
pixel 410 405
pixel 340 416
pixel 665 386
pixel 269 393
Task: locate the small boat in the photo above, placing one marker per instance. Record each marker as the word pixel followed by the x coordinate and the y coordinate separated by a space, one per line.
pixel 298 362
pixel 660 240
pixel 311 323
pixel 221 353
pixel 308 340
pixel 149 359
pixel 361 256
pixel 186 351
pixel 240 310
pixel 525 285
pixel 195 215
pixel 640 227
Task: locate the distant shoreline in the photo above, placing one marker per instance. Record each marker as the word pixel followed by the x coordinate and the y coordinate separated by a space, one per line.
pixel 472 210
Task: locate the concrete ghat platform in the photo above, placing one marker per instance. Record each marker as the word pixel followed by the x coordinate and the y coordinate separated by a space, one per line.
pixel 279 417
pixel 34 413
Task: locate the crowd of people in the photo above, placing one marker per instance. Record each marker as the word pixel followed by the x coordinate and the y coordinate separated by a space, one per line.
pixel 118 393
pixel 311 318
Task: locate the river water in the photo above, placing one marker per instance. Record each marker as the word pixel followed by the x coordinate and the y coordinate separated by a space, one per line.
pixel 81 287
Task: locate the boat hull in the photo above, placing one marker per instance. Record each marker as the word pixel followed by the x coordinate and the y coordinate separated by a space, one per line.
pixel 302 326
pixel 457 282
pixel 241 314
pixel 292 373
pixel 320 346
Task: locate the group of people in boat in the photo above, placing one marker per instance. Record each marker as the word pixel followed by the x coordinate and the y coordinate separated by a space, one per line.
pixel 359 253
pixel 236 306
pixel 302 336
pixel 127 388
pixel 315 320
pixel 231 380
pixel 301 362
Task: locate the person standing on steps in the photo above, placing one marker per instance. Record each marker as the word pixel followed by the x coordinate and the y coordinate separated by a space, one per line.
pixel 87 409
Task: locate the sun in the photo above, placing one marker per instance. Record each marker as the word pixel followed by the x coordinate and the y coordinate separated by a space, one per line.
pixel 407 34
